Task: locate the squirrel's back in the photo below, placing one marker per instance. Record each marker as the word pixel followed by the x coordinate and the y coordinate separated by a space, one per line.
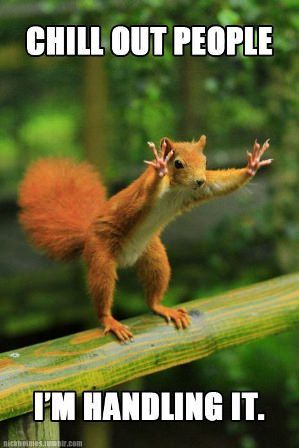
pixel 59 200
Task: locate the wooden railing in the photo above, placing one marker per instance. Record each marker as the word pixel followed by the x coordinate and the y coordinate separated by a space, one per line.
pixel 88 360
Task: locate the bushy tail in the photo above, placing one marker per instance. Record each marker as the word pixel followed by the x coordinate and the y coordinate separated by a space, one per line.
pixel 59 200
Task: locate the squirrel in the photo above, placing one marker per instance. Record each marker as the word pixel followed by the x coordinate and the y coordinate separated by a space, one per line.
pixel 65 211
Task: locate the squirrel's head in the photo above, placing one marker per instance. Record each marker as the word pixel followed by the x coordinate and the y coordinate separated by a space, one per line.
pixel 187 166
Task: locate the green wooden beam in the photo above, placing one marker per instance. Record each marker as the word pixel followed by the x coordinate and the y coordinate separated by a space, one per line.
pixel 88 360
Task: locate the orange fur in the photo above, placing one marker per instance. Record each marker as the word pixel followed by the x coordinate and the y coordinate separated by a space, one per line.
pixel 65 212
pixel 59 200
pixel 154 271
pixel 101 274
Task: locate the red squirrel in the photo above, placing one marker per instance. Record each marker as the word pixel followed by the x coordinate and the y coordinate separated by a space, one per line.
pixel 65 211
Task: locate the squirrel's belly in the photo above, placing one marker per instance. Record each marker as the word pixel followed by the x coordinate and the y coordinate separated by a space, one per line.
pixel 165 209
pixel 135 245
pixel 131 252
pixel 137 242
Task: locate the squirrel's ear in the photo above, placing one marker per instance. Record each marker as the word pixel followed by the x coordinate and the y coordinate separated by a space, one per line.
pixel 202 142
pixel 169 144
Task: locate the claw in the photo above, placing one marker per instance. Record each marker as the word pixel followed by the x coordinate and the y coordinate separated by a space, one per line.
pixel 178 324
pixel 168 319
pixel 256 145
pixel 153 148
pixel 183 310
pixel 185 323
pixel 265 146
pixel 169 155
pixel 266 162
pixel 179 316
pixel 122 332
pixel 149 163
pixel 164 146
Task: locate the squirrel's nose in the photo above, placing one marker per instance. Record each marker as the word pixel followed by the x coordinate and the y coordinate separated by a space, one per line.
pixel 200 182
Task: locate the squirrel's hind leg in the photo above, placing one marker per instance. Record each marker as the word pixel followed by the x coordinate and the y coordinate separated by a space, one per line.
pixel 101 281
pixel 154 272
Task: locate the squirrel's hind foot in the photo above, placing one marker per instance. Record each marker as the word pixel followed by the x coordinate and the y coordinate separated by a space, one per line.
pixel 180 316
pixel 121 331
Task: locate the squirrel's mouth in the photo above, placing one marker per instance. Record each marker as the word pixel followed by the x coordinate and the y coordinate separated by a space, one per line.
pixel 200 192
pixel 198 187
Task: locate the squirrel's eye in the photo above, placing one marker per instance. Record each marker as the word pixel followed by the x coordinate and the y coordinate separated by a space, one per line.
pixel 178 164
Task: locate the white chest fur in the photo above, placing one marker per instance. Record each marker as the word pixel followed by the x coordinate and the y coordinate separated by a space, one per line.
pixel 166 207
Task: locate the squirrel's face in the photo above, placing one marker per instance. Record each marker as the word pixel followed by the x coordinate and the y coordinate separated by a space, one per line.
pixel 187 167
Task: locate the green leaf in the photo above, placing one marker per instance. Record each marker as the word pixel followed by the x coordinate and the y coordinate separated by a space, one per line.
pixel 228 17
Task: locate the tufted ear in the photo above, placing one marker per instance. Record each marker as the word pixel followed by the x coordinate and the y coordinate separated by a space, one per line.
pixel 202 142
pixel 169 144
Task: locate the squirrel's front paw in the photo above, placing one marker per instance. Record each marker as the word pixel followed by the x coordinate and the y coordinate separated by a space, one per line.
pixel 121 331
pixel 254 157
pixel 160 162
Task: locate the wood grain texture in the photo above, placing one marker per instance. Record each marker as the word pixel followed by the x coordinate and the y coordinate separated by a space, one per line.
pixel 88 360
pixel 24 428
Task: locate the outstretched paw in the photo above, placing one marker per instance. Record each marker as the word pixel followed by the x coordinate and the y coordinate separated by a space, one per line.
pixel 160 162
pixel 180 316
pixel 254 157
pixel 121 331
